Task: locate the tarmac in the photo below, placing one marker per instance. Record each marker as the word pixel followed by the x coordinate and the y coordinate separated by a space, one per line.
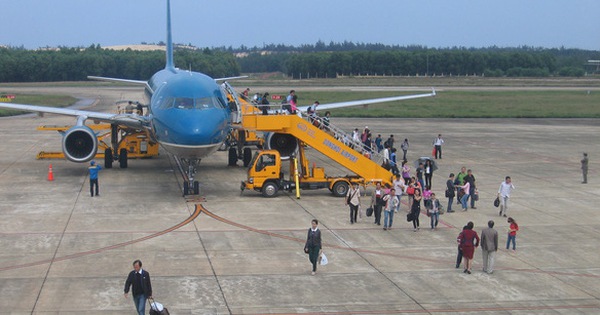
pixel 63 252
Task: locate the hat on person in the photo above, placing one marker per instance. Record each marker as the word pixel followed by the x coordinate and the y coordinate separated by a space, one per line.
pixel 92 162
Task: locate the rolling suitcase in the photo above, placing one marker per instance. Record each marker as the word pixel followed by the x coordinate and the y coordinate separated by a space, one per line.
pixel 157 308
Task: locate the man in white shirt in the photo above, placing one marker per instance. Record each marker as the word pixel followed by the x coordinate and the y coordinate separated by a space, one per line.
pixel 506 187
pixel 437 143
pixel 400 188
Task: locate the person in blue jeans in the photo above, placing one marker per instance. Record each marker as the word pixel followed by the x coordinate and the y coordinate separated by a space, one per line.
pixel 391 204
pixel 512 233
pixel 434 211
pixel 451 191
pixel 466 189
pixel 139 281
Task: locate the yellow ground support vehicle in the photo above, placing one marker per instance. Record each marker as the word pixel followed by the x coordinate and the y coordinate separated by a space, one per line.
pixel 265 174
pixel 129 143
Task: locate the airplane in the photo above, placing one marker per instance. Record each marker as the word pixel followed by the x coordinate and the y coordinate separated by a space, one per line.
pixel 188 115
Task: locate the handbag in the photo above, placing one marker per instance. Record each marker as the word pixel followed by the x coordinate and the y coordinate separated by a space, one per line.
pixel 369 211
pixel 497 202
pixel 409 217
pixel 447 194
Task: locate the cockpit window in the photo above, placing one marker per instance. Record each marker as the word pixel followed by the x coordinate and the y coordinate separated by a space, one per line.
pixel 191 103
pixel 165 103
pixel 207 102
pixel 184 103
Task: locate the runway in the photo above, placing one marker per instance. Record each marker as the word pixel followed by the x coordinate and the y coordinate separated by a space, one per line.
pixel 62 252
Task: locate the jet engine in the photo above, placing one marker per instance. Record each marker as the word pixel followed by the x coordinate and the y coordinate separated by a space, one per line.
pixel 80 144
pixel 286 144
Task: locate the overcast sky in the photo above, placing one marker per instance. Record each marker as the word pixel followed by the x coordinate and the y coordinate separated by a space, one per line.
pixel 431 23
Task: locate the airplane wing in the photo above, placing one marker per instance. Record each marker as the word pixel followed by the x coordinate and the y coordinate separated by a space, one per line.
pixel 117 80
pixel 130 120
pixel 231 78
pixel 369 101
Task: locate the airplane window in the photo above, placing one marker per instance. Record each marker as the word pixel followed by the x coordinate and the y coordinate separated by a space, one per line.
pixel 166 103
pixel 207 102
pixel 184 103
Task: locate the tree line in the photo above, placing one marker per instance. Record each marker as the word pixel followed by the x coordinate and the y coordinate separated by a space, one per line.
pixel 307 61
pixel 75 64
pixel 427 62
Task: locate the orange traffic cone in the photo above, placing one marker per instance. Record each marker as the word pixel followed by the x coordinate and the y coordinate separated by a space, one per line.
pixel 50 174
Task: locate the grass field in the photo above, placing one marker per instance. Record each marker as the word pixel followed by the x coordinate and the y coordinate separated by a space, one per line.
pixel 38 99
pixel 478 98
pixel 469 104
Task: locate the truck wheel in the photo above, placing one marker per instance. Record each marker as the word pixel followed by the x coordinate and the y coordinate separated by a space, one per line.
pixel 340 188
pixel 247 156
pixel 232 157
pixel 123 158
pixel 108 158
pixel 269 190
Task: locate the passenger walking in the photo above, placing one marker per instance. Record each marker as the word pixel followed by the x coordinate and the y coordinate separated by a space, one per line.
pixel 584 167
pixel 313 244
pixel 379 143
pixel 405 171
pixel 400 188
pixel 450 191
pixel 139 281
pixel 489 247
pixel 404 146
pixel 512 233
pixel 353 200
pixel 465 190
pixel 428 173
pixel 506 187
pixel 470 178
pixel 459 256
pixel 434 211
pixel 377 202
pixel 437 146
pixel 469 241
pixel 416 209
pixel 391 203
pixel 94 169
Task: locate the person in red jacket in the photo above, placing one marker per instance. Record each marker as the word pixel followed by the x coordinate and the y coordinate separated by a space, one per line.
pixel 512 233
pixel 469 241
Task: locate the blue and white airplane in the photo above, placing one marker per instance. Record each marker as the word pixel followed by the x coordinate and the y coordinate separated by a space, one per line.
pixel 188 114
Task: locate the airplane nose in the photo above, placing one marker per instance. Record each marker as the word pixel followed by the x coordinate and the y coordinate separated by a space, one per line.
pixel 203 128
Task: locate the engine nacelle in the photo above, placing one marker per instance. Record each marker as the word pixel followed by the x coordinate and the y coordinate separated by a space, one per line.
pixel 286 144
pixel 80 144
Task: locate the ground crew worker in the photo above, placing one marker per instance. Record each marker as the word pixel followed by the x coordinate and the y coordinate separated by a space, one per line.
pixel 94 168
pixel 584 168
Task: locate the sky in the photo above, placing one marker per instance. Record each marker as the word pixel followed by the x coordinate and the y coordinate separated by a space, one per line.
pixel 430 23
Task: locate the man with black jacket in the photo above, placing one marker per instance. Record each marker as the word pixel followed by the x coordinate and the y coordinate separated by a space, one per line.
pixel 471 180
pixel 139 280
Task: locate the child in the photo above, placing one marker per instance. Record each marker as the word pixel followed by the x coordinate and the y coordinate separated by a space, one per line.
pixel 512 233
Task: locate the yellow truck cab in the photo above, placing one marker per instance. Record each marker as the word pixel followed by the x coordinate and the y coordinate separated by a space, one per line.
pixel 265 174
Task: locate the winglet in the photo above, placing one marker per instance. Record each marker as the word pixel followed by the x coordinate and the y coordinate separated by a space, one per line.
pixel 169 65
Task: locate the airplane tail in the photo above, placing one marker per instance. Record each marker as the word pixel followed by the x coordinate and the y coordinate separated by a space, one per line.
pixel 169 65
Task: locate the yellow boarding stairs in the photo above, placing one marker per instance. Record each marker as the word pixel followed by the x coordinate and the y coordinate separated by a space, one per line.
pixel 330 143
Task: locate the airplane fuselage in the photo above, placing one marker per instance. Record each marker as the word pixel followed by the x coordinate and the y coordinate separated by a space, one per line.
pixel 188 111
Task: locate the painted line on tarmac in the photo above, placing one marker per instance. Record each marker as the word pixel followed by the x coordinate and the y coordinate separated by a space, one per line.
pixel 451 310
pixel 194 215
pixel 376 252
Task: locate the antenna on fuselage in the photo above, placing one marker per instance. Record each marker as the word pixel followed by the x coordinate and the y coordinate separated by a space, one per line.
pixel 169 65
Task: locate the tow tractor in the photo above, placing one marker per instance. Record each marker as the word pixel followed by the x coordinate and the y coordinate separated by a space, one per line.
pixel 265 175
